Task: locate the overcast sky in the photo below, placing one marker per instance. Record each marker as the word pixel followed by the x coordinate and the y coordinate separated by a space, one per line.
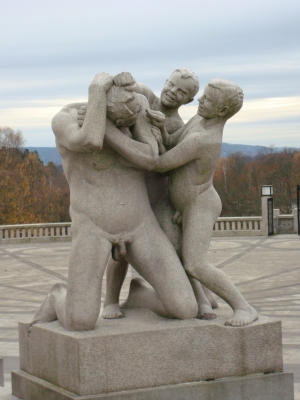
pixel 51 50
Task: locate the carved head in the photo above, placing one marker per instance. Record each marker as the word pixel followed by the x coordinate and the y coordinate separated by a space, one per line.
pixel 221 98
pixel 122 106
pixel 180 88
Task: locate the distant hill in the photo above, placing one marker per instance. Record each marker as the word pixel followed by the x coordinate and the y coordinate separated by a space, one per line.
pixel 246 149
pixel 249 150
pixel 50 154
pixel 47 154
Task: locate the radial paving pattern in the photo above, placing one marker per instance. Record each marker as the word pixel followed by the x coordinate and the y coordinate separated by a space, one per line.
pixel 266 271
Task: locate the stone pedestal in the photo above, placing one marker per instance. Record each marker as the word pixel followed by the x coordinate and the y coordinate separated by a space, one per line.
pixel 146 357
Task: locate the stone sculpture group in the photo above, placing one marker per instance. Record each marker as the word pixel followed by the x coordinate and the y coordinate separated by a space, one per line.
pixel 141 193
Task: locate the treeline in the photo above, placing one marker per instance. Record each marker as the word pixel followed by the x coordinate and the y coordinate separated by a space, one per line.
pixel 30 192
pixel 238 180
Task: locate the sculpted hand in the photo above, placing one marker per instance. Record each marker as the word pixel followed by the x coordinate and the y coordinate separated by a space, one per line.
pixel 125 80
pixel 81 114
pixel 157 118
pixel 102 80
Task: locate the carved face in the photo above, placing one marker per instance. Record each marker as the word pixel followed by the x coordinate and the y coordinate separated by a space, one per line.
pixel 177 91
pixel 209 106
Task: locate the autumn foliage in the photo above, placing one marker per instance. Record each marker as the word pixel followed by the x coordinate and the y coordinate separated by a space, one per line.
pixel 31 192
pixel 238 180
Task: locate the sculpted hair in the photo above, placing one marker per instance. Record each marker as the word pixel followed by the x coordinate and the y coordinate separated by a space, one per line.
pixel 231 95
pixel 188 74
pixel 120 103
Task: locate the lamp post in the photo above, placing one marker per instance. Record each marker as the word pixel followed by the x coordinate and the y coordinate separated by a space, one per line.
pixel 267 190
pixel 267 210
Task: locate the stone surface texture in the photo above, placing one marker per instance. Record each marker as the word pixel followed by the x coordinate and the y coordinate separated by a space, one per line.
pixel 148 351
pixel 278 386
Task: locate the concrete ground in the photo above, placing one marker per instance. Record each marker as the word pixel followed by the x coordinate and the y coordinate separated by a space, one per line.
pixel 266 271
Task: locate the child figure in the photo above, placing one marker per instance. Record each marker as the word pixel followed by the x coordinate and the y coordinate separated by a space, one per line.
pixel 192 160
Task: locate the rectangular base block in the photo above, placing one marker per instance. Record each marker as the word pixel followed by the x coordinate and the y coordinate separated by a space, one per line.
pixel 143 350
pixel 277 386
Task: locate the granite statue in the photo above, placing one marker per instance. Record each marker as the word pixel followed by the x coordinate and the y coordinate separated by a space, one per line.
pixel 110 209
pixel 104 158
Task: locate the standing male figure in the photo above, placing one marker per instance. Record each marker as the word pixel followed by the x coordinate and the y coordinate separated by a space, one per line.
pixel 110 209
pixel 195 150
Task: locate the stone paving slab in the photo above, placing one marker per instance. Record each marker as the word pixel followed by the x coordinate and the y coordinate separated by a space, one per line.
pixel 266 271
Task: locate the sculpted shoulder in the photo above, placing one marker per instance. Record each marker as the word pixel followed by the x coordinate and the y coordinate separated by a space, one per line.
pixel 67 115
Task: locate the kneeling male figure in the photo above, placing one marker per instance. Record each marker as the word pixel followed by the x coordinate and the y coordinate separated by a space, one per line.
pixel 110 207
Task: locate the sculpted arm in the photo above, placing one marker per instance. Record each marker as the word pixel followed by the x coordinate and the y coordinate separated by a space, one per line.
pixel 140 154
pixel 186 151
pixel 126 80
pixel 147 92
pixel 90 136
pixel 143 155
pixel 171 140
pixel 142 128
pixel 158 119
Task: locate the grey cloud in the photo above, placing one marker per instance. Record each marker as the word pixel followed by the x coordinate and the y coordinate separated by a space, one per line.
pixel 55 51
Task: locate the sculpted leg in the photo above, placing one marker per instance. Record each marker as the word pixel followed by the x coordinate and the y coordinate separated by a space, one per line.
pixel 164 212
pixel 198 220
pixel 204 306
pixel 210 297
pixel 115 275
pixel 153 256
pixel 77 307
pixel 89 256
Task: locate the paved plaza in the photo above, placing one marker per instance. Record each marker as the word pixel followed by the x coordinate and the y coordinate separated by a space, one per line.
pixel 266 271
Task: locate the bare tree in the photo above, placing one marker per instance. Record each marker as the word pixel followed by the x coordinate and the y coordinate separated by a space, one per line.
pixel 11 139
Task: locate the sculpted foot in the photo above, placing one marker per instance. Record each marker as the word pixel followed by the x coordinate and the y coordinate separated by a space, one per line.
pixel 46 312
pixel 242 317
pixel 205 312
pixel 112 311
